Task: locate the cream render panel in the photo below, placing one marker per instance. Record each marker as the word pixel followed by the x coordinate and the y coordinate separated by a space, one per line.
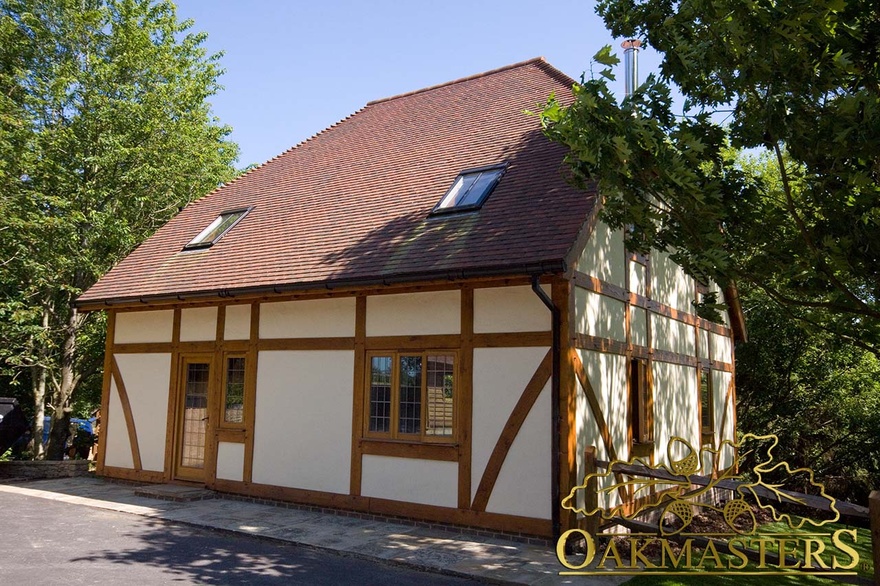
pixel 510 309
pixel 721 382
pixel 316 318
pixel 603 256
pixel 703 344
pixel 672 335
pixel 607 375
pixel 500 376
pixel 198 324
pixel 676 403
pixel 523 485
pixel 303 419
pixel 117 447
pixel 599 315
pixel 412 314
pixel 714 288
pixel 230 461
pixel 638 326
pixel 409 480
pixel 638 278
pixel 146 378
pixel 237 324
pixel 140 327
pixel 670 284
pixel 722 348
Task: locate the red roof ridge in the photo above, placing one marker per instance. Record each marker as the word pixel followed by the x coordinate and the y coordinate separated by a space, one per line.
pixel 536 60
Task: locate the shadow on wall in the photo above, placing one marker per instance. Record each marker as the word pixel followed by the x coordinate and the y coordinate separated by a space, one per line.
pixel 522 203
pixel 675 407
pixel 671 285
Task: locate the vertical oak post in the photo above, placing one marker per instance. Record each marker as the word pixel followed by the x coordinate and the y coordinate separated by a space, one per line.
pixel 591 493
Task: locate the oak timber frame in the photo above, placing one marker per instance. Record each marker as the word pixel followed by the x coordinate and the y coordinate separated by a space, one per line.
pixel 470 511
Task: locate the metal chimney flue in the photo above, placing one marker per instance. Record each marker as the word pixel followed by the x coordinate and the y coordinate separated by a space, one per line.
pixel 631 65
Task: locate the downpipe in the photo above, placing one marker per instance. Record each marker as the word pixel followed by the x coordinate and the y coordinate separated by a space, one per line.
pixel 554 398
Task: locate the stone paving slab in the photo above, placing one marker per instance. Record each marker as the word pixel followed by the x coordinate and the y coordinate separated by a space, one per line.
pixel 489 559
pixel 174 492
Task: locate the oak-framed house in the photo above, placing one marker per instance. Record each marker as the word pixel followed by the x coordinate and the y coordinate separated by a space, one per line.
pixel 412 313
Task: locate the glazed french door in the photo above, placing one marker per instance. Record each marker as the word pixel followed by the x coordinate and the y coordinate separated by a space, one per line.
pixel 192 417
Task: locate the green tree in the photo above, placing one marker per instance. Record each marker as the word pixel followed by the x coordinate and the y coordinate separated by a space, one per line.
pixel 797 80
pixel 818 393
pixel 105 132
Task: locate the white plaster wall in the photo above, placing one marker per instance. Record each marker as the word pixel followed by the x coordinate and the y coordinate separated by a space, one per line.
pixel 604 255
pixel 302 430
pixel 638 326
pixel 146 378
pixel 703 344
pixel 713 286
pixel 316 318
pixel 237 324
pixel 721 381
pixel 599 315
pixel 510 309
pixel 672 335
pixel 675 409
pixel 410 314
pixel 722 348
pixel 517 492
pixel 117 447
pixel 143 326
pixel 230 461
pixel 198 324
pixel 638 278
pixel 607 376
pixel 428 482
pixel 500 376
pixel 670 284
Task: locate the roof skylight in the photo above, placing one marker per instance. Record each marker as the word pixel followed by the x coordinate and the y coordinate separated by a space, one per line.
pixel 216 229
pixel 470 189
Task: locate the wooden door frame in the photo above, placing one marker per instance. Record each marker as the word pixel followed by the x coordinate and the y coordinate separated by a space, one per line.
pixel 185 358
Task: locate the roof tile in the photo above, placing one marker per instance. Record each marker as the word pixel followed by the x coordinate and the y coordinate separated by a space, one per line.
pixel 351 203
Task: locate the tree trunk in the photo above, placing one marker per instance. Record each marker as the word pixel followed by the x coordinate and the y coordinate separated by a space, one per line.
pixel 58 434
pixel 39 376
pixel 38 383
pixel 61 398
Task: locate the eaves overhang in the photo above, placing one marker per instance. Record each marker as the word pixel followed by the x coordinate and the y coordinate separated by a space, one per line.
pixel 542 268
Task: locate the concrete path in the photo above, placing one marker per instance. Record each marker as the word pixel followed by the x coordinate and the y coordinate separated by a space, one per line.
pixel 488 559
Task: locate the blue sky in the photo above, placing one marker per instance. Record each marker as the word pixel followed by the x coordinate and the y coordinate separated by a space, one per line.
pixel 294 68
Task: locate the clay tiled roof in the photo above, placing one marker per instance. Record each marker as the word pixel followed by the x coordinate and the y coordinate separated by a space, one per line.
pixel 351 204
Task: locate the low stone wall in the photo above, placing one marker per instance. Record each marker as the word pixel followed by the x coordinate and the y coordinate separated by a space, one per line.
pixel 44 469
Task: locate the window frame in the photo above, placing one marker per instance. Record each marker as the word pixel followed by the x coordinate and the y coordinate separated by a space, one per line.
pixel 437 210
pixel 224 380
pixel 196 244
pixel 641 403
pixel 707 434
pixel 394 434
